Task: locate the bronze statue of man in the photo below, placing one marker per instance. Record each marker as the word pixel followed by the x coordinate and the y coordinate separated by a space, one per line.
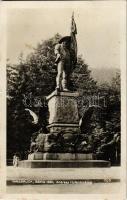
pixel 66 57
pixel 63 60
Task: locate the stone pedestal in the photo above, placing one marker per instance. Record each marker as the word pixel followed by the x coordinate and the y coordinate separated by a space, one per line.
pixel 59 148
pixel 63 111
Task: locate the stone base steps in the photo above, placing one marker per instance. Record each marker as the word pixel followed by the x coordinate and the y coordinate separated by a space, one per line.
pixel 63 163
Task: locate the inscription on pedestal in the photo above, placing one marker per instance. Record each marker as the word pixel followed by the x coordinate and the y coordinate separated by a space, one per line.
pixel 63 111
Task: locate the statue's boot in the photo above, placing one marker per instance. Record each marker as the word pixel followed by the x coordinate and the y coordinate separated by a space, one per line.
pixel 64 85
pixel 65 90
pixel 58 83
pixel 64 82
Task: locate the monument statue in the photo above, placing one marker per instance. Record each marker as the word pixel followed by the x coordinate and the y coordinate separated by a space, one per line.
pixel 66 58
pixel 63 60
pixel 64 144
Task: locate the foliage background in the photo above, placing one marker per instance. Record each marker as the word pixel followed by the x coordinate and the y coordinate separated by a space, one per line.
pixel 30 81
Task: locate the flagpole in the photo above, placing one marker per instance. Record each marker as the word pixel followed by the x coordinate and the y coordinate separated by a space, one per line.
pixel 73 39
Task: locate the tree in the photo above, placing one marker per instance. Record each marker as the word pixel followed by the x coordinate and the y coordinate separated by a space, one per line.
pixel 112 119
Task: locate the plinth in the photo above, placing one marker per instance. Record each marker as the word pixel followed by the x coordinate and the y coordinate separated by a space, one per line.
pixel 63 111
pixel 63 122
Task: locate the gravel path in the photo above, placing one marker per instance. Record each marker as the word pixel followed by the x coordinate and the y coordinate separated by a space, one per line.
pixel 63 173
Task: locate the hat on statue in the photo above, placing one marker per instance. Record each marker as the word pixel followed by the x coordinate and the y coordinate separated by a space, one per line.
pixel 66 38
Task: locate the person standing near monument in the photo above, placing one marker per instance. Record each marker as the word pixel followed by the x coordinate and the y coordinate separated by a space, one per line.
pixel 66 58
pixel 15 160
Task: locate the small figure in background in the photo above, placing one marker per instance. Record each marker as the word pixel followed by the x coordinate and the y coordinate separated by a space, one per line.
pixel 15 160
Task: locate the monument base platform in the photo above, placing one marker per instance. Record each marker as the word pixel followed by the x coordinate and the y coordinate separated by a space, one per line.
pixel 57 127
pixel 60 156
pixel 63 163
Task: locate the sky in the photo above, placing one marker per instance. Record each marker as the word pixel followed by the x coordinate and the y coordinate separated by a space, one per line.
pixel 98 25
